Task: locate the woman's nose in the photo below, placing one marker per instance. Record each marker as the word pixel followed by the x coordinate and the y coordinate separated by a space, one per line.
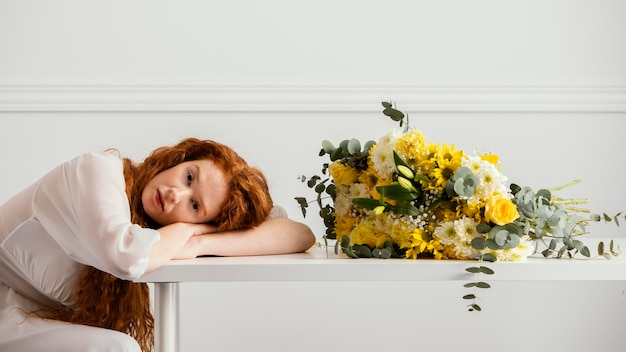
pixel 175 195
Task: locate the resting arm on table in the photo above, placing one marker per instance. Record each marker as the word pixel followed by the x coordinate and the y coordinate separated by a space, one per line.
pixel 186 241
pixel 274 236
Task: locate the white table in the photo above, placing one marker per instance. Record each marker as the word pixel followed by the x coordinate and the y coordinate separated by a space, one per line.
pixel 317 264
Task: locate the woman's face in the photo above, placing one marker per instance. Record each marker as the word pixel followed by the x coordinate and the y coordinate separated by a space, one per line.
pixel 192 192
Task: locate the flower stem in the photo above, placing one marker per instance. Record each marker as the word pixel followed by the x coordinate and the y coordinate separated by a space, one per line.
pixel 582 210
pixel 565 185
pixel 570 200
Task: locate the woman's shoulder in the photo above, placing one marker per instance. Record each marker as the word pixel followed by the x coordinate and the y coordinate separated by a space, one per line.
pixel 89 167
pixel 278 212
pixel 91 159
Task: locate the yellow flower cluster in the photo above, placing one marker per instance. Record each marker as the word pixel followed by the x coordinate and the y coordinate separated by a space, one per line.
pixel 429 170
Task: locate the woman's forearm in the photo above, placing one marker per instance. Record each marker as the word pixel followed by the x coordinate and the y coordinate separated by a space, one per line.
pixel 274 236
pixel 174 239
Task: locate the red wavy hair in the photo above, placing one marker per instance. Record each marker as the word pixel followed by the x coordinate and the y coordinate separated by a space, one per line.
pixel 106 301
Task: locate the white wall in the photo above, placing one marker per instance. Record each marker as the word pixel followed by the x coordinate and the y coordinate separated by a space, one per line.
pixel 541 83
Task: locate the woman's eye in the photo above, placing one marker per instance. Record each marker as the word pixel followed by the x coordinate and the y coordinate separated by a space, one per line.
pixel 195 206
pixel 189 178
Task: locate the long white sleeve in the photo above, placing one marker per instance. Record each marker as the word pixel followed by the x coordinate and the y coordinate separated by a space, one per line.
pixel 83 205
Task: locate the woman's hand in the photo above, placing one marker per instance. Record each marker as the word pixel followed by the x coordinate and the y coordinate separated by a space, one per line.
pixel 191 249
pixel 175 244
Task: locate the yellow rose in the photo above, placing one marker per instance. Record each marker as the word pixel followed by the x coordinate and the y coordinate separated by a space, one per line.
pixel 500 210
pixel 343 174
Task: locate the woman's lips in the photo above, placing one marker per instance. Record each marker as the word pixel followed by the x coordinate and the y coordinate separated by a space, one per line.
pixel 159 200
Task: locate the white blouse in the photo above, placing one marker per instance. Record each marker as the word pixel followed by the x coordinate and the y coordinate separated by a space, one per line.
pixel 78 214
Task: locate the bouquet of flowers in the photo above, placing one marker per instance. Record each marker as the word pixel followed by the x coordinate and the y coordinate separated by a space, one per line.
pixel 406 197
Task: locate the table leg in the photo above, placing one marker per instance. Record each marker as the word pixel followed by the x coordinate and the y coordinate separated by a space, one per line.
pixel 166 316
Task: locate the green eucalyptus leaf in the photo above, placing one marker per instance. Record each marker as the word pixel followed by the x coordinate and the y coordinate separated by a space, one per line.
pixel 483 228
pixel 585 251
pixel 386 104
pixel 611 244
pixel 385 253
pixel 545 194
pixel 470 296
pixel 473 270
pixel 485 270
pixel 330 190
pixel 362 251
pixel 313 181
pixel 488 257
pixel 478 243
pixel 388 244
pixel 350 253
pixel 578 244
pixel 501 238
pixel 336 154
pixel 327 146
pixel 552 245
pixel 368 146
pixel 345 241
pixel 482 285
pixel 394 114
pixel 470 284
pixel 491 244
pixel 475 307
pixel 354 146
pixel 567 241
pixel 304 204
pixel 601 248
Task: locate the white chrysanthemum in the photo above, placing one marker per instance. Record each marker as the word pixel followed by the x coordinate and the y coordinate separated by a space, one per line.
pixel 345 194
pixel 446 233
pixel 343 200
pixel 465 229
pixel 458 235
pixel 359 190
pixel 382 156
pixel 525 248
pixel 491 180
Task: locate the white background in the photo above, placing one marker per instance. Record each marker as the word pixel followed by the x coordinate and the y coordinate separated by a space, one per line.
pixel 541 83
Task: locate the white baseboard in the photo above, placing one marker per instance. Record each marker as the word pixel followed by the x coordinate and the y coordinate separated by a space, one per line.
pixel 256 98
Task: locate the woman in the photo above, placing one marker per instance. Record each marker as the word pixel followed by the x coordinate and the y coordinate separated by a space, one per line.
pixel 71 244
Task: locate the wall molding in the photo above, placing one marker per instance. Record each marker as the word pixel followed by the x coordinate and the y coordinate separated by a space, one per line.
pixel 330 98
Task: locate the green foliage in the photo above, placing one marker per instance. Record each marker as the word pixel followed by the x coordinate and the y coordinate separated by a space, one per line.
pixel 549 220
pixel 389 250
pixel 556 224
pixel 352 153
pixel 462 183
